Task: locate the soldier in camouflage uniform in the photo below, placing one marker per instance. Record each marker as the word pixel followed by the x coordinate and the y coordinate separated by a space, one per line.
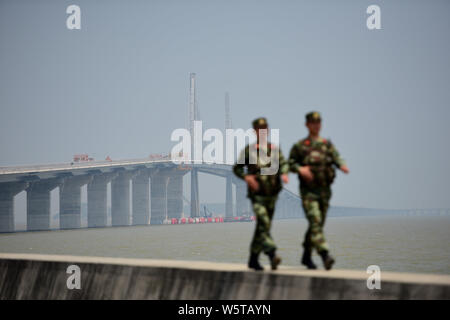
pixel 262 190
pixel 314 160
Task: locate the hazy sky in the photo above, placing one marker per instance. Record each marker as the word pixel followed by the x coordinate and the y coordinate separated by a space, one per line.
pixel 120 85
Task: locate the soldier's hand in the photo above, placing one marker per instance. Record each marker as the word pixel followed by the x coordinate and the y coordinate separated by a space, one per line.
pixel 285 178
pixel 305 173
pixel 344 169
pixel 251 181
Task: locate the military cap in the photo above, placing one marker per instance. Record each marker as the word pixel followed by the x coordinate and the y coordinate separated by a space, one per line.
pixel 313 116
pixel 259 123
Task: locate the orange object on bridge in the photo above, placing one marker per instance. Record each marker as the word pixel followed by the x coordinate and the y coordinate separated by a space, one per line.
pixel 82 157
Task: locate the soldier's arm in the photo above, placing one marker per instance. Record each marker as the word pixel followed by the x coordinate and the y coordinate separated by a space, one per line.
pixel 294 159
pixel 283 163
pixel 337 159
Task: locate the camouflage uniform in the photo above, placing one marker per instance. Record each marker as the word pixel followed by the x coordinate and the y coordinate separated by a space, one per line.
pixel 322 157
pixel 264 199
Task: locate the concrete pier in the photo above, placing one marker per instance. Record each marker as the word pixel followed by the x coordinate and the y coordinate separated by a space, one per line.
pixel 141 198
pixel 28 276
pixel 159 181
pixel 175 195
pixel 38 203
pixel 120 198
pixel 7 192
pixel 70 201
pixel 97 199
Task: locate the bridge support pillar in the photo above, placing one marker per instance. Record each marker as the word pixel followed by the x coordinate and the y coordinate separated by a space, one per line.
pixel 70 202
pixel 229 197
pixel 175 196
pixel 141 198
pixel 195 198
pixel 242 203
pixel 159 182
pixel 120 198
pixel 7 192
pixel 97 199
pixel 38 203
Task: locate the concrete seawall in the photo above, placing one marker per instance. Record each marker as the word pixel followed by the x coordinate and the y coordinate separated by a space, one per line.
pixel 30 276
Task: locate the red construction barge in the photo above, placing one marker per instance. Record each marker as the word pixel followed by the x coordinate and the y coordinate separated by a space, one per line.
pixel 209 220
pixel 82 157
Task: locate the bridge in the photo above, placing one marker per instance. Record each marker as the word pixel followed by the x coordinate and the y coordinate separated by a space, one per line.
pixel 156 192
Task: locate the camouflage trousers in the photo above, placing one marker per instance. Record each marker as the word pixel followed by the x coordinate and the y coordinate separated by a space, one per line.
pixel 315 205
pixel 264 207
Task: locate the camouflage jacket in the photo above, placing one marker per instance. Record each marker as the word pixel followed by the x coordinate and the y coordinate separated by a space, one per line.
pixel 321 156
pixel 269 184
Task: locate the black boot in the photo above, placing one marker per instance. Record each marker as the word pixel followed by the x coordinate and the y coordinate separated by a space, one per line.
pixel 253 262
pixel 327 259
pixel 307 260
pixel 274 259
